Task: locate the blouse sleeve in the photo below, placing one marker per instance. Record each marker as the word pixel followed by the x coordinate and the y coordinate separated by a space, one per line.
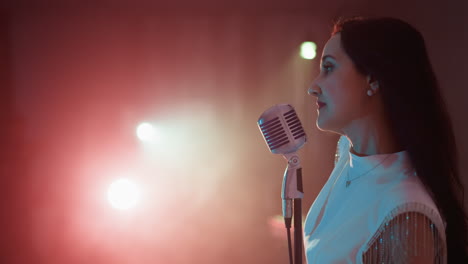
pixel 409 238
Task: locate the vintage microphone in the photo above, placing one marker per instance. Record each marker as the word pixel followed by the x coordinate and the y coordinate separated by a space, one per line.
pixel 284 134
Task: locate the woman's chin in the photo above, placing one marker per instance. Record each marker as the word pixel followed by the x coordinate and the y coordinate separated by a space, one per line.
pixel 322 125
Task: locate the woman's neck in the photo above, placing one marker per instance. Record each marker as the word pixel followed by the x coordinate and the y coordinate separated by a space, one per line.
pixel 370 136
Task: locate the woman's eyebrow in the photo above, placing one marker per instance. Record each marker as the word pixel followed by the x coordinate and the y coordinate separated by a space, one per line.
pixel 328 56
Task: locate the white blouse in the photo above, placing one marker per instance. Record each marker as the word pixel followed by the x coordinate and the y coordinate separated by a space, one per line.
pixel 384 216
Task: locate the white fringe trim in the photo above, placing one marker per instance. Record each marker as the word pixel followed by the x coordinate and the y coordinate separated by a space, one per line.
pixel 429 212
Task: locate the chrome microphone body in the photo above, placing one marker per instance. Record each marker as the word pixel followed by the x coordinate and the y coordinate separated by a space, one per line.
pixel 284 134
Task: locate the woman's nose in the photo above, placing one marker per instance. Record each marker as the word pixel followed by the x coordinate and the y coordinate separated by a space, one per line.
pixel 314 90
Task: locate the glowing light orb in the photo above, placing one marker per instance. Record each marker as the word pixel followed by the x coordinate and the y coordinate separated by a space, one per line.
pixel 146 132
pixel 308 50
pixel 123 194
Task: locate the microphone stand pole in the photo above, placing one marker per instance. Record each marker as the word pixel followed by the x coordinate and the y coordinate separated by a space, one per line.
pixel 298 241
pixel 292 192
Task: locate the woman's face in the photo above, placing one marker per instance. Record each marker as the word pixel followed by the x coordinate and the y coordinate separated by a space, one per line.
pixel 340 87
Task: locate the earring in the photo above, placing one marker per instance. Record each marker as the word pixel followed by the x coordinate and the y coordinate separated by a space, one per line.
pixel 373 88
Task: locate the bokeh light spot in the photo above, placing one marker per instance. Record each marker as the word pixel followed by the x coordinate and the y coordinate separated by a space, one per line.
pixel 147 132
pixel 123 194
pixel 308 50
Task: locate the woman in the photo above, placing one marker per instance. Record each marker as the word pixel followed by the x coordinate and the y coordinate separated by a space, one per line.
pixel 394 195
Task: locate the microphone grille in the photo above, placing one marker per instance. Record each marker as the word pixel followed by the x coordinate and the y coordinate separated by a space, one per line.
pixel 274 133
pixel 294 124
pixel 282 129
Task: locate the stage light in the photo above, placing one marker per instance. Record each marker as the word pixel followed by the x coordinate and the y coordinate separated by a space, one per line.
pixel 123 194
pixel 147 133
pixel 308 50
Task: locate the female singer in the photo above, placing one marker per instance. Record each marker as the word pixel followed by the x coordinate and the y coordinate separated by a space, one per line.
pixel 394 195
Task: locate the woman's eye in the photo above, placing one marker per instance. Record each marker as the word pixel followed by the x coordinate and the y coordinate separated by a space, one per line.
pixel 327 68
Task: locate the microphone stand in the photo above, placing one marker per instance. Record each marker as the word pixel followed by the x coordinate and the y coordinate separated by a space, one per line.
pixel 298 241
pixel 292 191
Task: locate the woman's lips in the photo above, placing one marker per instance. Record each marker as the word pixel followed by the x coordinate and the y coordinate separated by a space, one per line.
pixel 320 104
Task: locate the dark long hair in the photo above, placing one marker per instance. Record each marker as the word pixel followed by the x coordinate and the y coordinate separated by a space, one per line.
pixel 394 53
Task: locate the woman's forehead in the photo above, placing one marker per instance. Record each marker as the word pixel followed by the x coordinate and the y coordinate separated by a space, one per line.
pixel 333 48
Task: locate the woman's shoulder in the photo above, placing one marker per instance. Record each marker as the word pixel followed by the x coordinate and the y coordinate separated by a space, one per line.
pixel 403 208
pixel 409 196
